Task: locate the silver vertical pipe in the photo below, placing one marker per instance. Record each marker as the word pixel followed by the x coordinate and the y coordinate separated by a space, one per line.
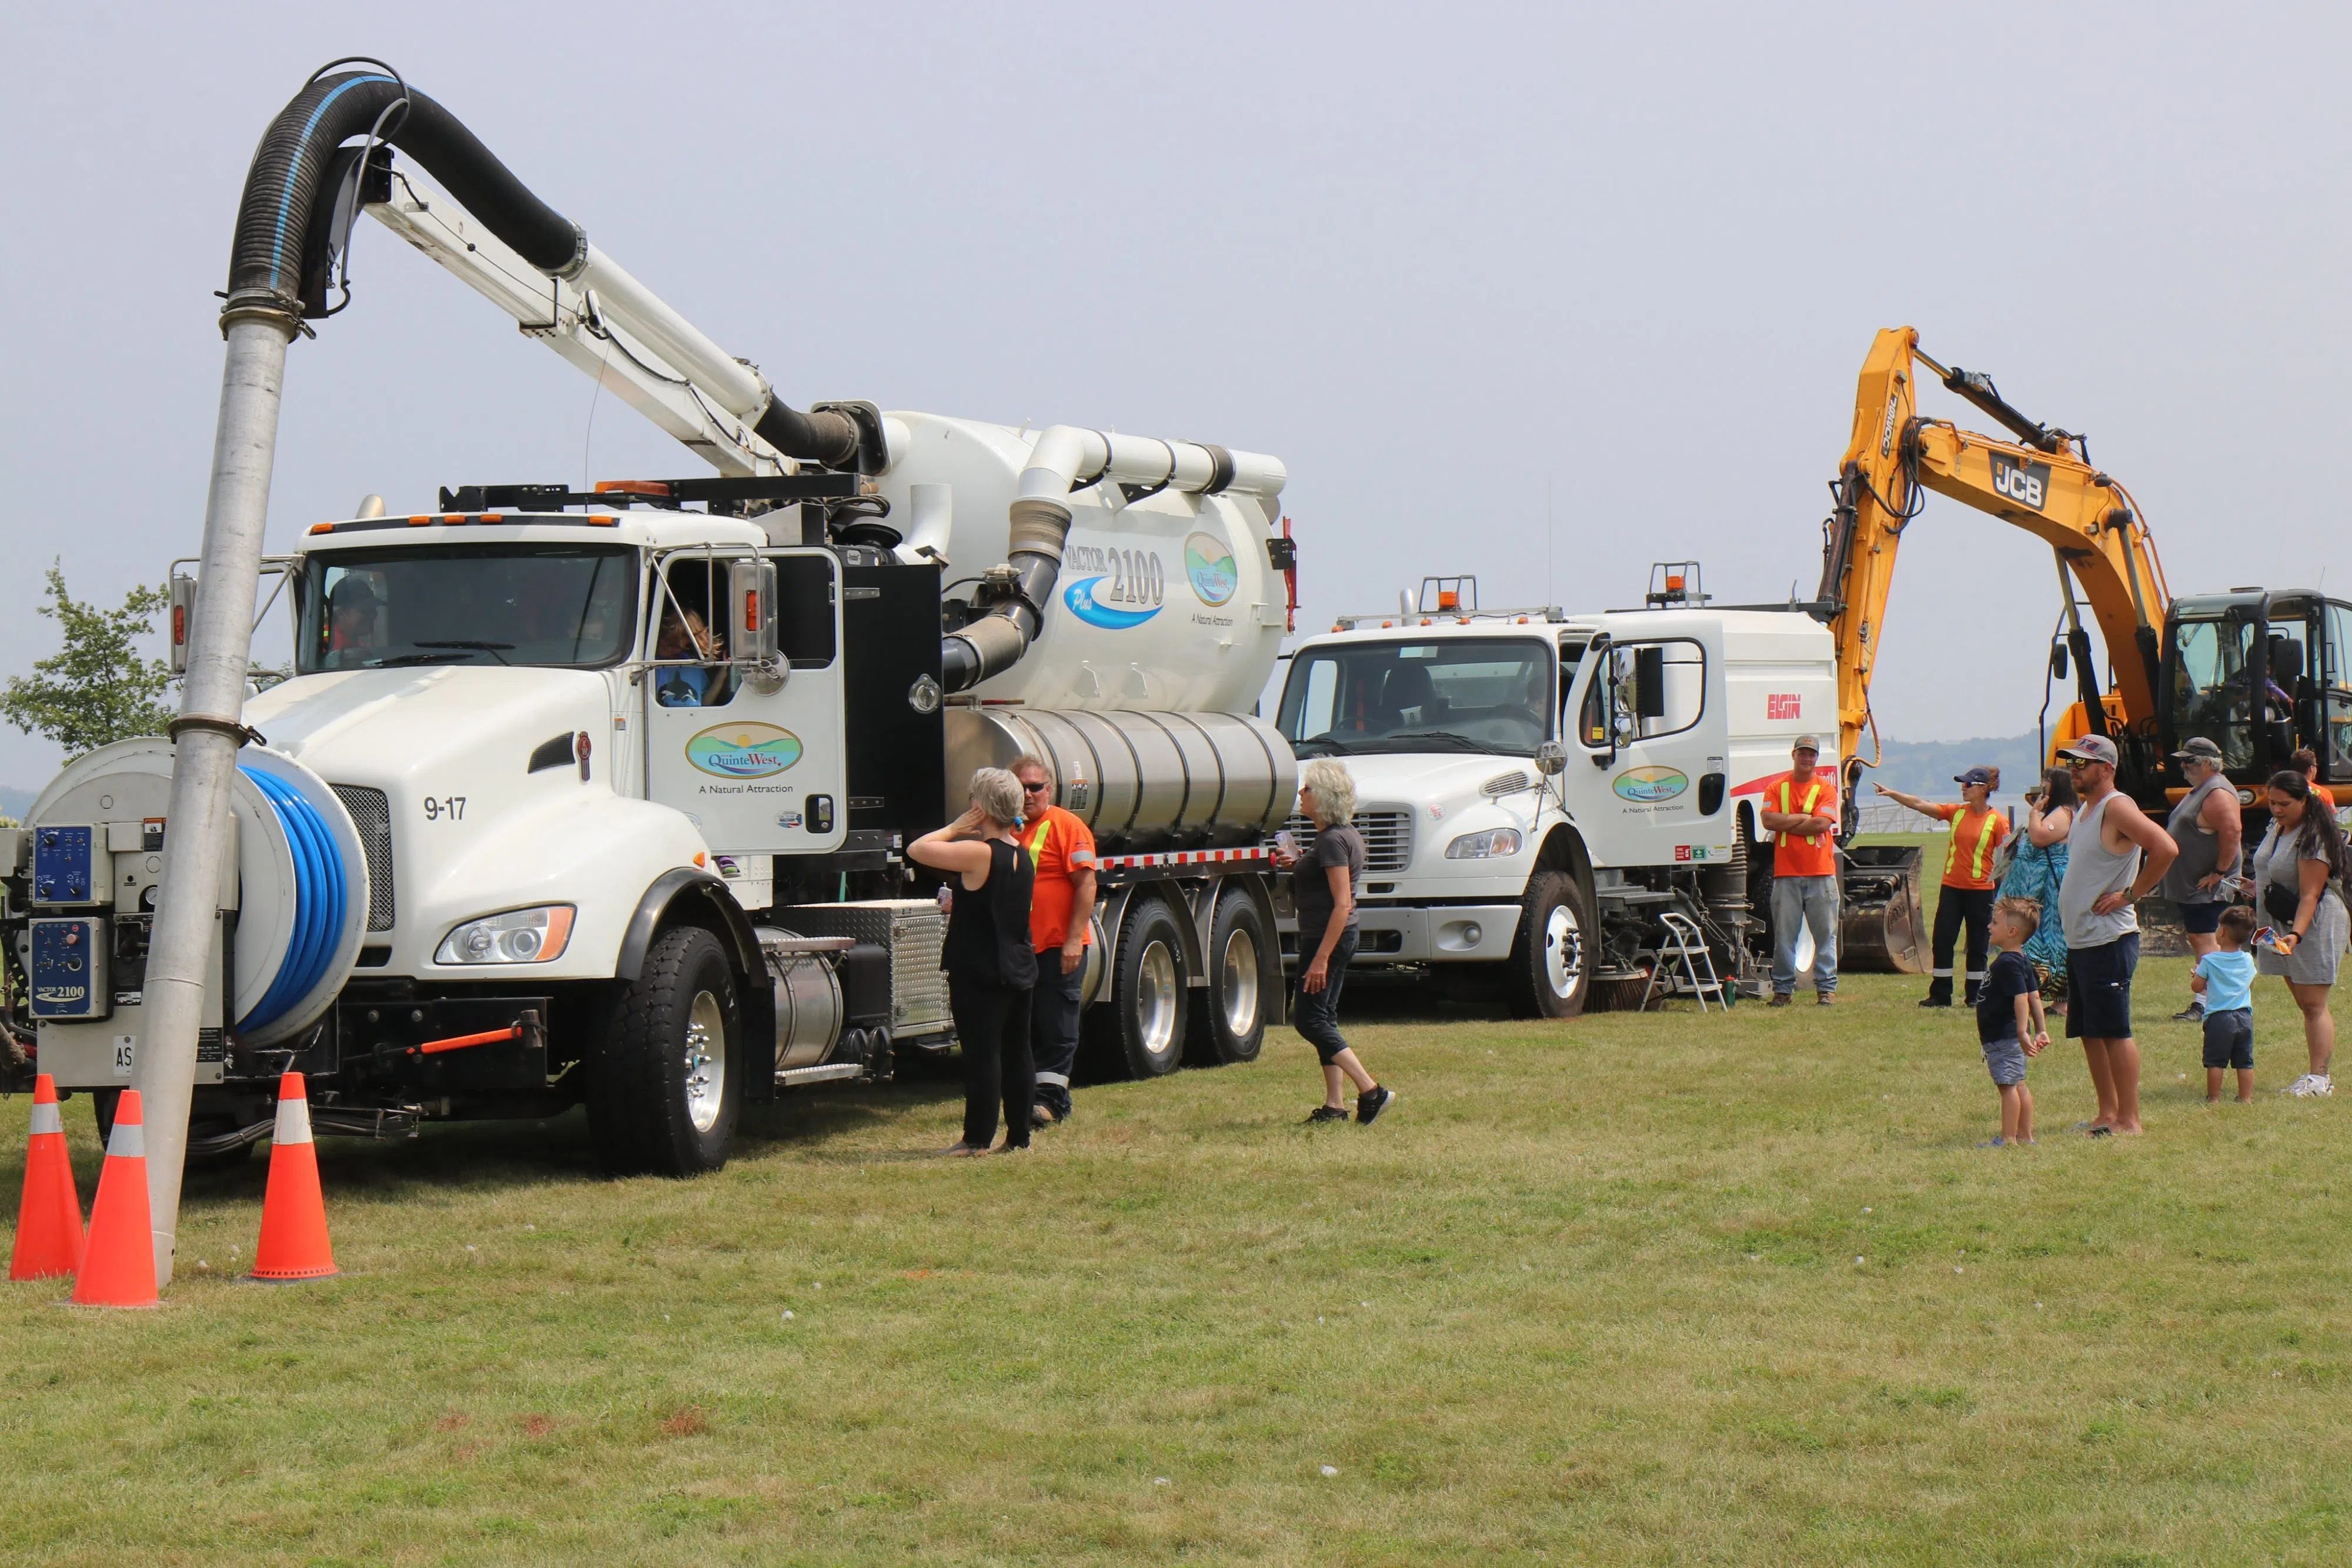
pixel 206 737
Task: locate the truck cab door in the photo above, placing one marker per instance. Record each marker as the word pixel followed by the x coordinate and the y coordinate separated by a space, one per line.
pixel 759 764
pixel 1645 741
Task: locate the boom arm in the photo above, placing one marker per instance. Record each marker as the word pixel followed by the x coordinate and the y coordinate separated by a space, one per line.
pixel 2041 482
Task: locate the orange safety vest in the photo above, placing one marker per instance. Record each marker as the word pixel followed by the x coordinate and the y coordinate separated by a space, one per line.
pixel 1803 854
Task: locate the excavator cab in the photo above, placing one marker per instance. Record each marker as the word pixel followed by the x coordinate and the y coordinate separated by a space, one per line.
pixel 2262 675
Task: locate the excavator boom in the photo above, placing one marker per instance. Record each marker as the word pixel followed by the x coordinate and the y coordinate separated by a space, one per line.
pixel 2043 481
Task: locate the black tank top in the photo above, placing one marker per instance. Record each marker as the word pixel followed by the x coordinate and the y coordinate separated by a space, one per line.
pixel 988 929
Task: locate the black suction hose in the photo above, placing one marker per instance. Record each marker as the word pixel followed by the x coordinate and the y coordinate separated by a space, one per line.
pixel 282 188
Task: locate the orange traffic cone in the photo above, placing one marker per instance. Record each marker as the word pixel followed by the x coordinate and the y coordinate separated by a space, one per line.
pixel 118 1268
pixel 48 1219
pixel 293 1210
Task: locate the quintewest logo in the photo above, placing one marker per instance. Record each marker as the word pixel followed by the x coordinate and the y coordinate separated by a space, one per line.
pixel 1650 785
pixel 743 750
pixel 1210 566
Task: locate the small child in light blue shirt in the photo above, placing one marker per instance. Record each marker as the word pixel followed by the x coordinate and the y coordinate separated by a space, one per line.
pixel 2225 979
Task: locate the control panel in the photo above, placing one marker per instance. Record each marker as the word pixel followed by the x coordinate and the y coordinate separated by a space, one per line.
pixel 69 966
pixel 62 869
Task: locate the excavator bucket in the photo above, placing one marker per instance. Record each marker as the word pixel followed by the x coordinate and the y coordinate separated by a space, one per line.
pixel 1881 926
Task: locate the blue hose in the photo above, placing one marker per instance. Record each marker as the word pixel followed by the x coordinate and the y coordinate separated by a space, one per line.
pixel 320 901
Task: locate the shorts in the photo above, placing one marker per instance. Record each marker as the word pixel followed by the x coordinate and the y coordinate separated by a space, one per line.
pixel 2230 1038
pixel 2201 919
pixel 2006 1061
pixel 2098 988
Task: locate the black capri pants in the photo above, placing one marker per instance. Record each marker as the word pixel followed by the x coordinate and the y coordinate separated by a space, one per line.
pixel 1315 1014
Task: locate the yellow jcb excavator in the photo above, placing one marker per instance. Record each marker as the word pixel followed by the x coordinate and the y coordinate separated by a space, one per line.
pixel 2259 672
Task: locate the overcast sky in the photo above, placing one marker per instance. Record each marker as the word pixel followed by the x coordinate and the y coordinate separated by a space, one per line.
pixel 1542 293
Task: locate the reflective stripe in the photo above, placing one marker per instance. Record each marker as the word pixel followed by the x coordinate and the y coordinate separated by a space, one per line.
pixel 1812 795
pixel 129 1142
pixel 46 1119
pixel 1939 974
pixel 1037 843
pixel 293 1122
pixel 1983 846
pixel 1058 1080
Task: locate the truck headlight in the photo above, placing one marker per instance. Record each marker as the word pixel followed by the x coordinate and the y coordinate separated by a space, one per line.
pixel 518 936
pixel 1495 844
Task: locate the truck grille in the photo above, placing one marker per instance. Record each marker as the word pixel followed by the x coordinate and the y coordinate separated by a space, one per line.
pixel 1387 835
pixel 372 817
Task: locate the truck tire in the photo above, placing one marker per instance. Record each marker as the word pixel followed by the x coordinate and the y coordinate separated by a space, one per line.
pixel 1148 994
pixel 1230 1023
pixel 666 1085
pixel 1556 952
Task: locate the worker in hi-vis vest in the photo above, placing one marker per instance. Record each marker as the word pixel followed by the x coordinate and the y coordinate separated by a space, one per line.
pixel 1061 924
pixel 1971 873
pixel 1800 811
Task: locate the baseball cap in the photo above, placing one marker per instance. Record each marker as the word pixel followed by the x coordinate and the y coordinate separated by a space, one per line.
pixel 2196 746
pixel 1812 743
pixel 2091 749
pixel 1975 776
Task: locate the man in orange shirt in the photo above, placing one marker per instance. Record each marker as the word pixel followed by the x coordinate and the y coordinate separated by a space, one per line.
pixel 1971 869
pixel 1800 811
pixel 1061 912
pixel 2306 762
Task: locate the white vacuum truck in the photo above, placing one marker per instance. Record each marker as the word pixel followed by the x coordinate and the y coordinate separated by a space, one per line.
pixel 1552 802
pixel 601 798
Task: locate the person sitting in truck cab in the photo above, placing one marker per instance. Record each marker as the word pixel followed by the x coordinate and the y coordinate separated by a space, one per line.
pixel 684 636
pixel 1410 699
pixel 351 613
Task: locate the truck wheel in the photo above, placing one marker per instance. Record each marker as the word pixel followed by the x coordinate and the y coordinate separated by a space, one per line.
pixel 1149 995
pixel 665 1088
pixel 1230 1023
pixel 1549 972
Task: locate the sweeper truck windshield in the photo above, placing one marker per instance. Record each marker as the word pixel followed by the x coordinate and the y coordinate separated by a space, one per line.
pixel 503 604
pixel 1468 695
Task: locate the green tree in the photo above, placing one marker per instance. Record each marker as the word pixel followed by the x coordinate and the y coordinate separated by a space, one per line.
pixel 97 688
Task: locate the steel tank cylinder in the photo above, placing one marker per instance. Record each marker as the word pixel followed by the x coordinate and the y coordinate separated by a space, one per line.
pixel 1141 781
pixel 808 996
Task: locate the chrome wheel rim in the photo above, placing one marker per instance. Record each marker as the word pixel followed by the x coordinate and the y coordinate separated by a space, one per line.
pixel 706 1060
pixel 1563 953
pixel 1156 999
pixel 1237 987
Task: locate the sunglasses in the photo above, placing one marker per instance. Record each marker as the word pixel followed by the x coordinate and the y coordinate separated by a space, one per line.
pixel 1034 788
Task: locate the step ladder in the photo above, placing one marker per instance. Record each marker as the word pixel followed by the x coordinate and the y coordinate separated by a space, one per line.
pixel 1684 950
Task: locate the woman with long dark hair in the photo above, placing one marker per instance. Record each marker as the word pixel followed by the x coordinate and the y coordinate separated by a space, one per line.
pixel 2299 887
pixel 2037 865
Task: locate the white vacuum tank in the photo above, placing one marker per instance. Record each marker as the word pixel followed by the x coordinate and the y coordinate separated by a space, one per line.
pixel 1167 602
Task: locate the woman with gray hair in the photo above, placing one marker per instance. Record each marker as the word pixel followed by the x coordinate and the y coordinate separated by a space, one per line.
pixel 988 958
pixel 1323 891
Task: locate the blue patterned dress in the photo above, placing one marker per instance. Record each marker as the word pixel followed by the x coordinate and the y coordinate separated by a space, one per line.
pixel 2035 872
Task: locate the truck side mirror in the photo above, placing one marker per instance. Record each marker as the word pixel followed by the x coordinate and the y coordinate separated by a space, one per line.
pixel 1649 681
pixel 752 596
pixel 1551 758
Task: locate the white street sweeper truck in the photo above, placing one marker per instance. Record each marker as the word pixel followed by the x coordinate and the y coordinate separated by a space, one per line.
pixel 602 798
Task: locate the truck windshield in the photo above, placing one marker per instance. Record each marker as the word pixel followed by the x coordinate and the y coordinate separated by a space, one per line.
pixel 493 604
pixel 1457 695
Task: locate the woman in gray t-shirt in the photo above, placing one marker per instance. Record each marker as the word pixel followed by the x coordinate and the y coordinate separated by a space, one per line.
pixel 2299 884
pixel 1323 893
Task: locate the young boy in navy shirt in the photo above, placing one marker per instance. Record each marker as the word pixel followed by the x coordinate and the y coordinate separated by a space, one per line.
pixel 2010 1022
pixel 2225 979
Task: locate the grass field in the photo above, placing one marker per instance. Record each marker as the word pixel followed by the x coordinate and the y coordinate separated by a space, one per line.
pixel 1656 1289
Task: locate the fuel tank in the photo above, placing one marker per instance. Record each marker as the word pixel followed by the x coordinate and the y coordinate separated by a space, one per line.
pixel 1166 602
pixel 1142 781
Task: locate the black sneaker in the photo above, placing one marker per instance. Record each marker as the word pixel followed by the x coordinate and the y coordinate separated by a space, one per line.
pixel 1370 1106
pixel 2193 1013
pixel 1327 1113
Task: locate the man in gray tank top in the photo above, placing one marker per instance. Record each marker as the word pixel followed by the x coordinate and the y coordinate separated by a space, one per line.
pixel 2115 856
pixel 2209 833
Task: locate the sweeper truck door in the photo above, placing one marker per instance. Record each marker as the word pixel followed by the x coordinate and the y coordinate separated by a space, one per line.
pixel 1649 743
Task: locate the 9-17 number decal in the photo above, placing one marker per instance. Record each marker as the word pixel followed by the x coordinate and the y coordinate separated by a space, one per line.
pixel 452 807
